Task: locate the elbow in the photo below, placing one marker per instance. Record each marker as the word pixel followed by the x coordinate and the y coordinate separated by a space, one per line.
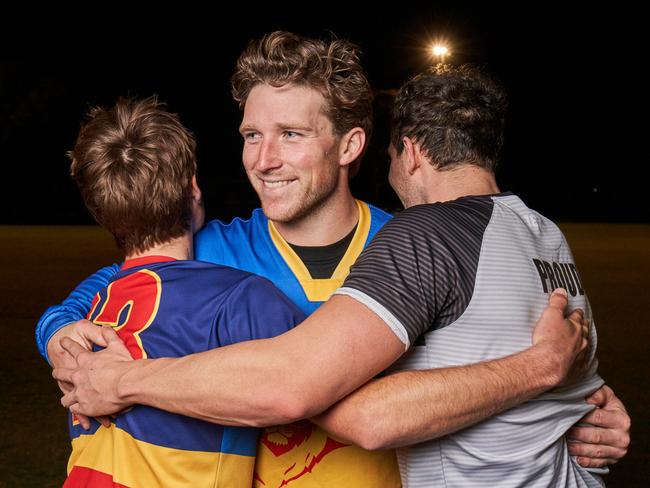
pixel 363 430
pixel 279 407
pixel 370 439
pixel 291 409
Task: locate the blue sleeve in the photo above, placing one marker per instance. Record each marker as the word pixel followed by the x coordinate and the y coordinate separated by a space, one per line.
pixel 255 309
pixel 73 308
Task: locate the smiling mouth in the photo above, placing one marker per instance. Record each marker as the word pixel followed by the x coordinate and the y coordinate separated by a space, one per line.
pixel 276 184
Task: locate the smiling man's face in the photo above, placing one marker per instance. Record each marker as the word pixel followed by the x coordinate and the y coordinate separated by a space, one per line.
pixel 290 150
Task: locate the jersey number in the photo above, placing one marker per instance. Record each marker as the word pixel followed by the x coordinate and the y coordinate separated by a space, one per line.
pixel 130 306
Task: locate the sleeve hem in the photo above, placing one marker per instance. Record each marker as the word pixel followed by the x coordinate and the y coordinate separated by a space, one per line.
pixel 391 321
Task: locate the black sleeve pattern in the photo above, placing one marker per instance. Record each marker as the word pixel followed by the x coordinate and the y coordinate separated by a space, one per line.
pixel 418 273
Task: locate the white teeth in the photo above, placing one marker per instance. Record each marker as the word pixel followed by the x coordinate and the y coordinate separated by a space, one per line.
pixel 276 184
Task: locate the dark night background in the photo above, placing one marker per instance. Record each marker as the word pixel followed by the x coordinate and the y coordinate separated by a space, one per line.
pixel 568 152
pixel 573 152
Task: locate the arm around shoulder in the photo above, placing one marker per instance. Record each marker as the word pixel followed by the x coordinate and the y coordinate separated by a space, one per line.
pixel 415 406
pixel 292 376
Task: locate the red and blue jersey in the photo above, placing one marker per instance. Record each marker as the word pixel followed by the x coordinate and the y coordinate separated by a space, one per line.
pixel 300 455
pixel 165 308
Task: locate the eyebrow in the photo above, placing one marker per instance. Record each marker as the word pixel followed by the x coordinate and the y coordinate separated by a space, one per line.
pixel 282 126
pixel 296 126
pixel 246 127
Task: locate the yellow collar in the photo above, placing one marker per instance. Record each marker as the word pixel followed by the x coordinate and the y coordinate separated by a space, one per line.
pixel 320 289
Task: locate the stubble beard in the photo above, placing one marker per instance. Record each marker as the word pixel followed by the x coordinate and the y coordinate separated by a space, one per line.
pixel 304 205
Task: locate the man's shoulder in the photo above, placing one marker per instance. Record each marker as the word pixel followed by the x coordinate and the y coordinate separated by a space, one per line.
pixel 236 226
pixel 442 224
pixel 194 272
pixel 451 212
pixel 378 214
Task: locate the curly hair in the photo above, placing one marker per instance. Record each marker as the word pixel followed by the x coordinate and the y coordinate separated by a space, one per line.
pixel 456 114
pixel 134 165
pixel 332 68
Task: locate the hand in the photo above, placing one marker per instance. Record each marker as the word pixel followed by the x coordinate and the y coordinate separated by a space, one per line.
pixel 566 339
pixel 607 439
pixel 84 333
pixel 94 382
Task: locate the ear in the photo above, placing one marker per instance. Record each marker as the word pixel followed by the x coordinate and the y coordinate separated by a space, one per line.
pixel 196 191
pixel 413 155
pixel 198 211
pixel 351 146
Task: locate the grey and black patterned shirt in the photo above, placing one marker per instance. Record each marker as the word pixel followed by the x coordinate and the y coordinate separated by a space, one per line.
pixel 465 281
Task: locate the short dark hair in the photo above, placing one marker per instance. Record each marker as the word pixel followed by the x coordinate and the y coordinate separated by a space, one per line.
pixel 134 165
pixel 456 114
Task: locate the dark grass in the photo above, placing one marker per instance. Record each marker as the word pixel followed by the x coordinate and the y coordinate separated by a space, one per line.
pixel 41 264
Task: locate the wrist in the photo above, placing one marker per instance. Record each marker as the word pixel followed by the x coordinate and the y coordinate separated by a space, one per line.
pixel 548 363
pixel 128 389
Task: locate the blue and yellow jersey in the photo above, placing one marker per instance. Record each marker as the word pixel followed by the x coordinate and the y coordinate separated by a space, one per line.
pixel 300 455
pixel 166 308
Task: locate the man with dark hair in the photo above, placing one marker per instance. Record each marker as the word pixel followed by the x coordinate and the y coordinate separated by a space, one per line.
pixel 442 275
pixel 135 167
pixel 306 120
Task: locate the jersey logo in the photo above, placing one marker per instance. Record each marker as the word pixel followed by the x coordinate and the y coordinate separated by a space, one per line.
pixel 562 275
pixel 129 306
pixel 284 439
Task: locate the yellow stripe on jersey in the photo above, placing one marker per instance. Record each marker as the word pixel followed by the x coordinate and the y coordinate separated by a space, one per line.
pixel 140 464
pixel 320 289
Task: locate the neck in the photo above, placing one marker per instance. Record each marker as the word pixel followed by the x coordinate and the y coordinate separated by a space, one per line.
pixel 460 182
pixel 178 248
pixel 329 223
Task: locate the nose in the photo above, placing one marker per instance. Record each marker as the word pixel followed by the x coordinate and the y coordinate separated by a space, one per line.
pixel 269 155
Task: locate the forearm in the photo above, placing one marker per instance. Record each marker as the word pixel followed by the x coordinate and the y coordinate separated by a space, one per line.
pixel 414 406
pixel 263 382
pixel 203 386
pixel 273 381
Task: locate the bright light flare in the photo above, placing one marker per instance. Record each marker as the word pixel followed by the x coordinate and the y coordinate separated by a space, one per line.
pixel 440 50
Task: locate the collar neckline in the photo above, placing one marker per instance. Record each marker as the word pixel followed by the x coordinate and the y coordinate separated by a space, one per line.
pixel 132 263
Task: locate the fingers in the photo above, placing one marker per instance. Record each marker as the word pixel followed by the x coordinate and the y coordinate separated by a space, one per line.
pixel 59 357
pixel 593 435
pixel 587 462
pixel 600 396
pixel 559 299
pixel 73 348
pixel 83 420
pixel 605 397
pixel 595 455
pixel 602 446
pixel 104 420
pixel 69 400
pixel 90 333
pixel 109 335
pixel 609 419
pixel 65 387
pixel 63 375
pixel 577 316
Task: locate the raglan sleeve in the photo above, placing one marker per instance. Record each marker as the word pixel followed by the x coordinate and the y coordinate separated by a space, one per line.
pixel 404 276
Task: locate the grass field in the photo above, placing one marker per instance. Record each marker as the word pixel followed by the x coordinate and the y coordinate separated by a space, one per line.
pixel 41 264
